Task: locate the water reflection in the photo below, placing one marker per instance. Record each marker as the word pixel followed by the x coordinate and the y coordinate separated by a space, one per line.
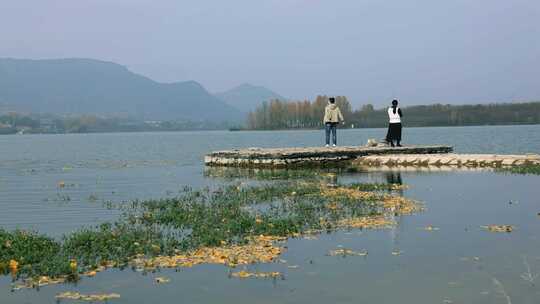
pixel 393 177
pixel 455 264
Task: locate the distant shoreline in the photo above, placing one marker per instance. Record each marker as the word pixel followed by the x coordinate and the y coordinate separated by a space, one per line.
pixel 268 130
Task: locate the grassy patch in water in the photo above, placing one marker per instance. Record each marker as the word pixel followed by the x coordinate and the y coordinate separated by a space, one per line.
pixel 215 226
pixel 30 253
pixel 523 169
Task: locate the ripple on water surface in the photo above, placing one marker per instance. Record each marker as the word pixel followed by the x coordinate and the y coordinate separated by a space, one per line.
pixel 459 262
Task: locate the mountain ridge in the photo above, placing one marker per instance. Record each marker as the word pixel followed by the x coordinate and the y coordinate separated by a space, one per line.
pixel 90 86
pixel 247 97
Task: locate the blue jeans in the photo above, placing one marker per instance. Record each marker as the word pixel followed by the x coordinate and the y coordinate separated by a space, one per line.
pixel 331 127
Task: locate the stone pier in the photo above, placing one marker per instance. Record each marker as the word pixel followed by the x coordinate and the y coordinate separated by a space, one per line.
pixel 310 156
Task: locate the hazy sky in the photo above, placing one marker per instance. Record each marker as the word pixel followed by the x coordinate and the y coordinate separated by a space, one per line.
pixel 421 51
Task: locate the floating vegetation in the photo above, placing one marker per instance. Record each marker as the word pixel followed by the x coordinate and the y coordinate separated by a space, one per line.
pixel 162 280
pixel 233 225
pixel 431 228
pixel 71 295
pixel 499 228
pixel 365 222
pixel 533 169
pixel 258 250
pixel 378 187
pixel 38 282
pixel 348 193
pixel 347 252
pixel 245 274
pixel 400 205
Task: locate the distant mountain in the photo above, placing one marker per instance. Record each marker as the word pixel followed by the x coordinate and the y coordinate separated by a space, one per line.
pixel 247 97
pixel 86 86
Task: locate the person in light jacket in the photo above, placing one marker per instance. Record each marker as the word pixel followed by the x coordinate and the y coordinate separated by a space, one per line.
pixel 394 126
pixel 332 117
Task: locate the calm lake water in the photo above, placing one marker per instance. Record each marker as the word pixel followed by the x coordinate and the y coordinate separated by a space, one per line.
pixel 459 263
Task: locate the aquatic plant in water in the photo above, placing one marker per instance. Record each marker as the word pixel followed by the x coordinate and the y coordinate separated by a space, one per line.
pixel 70 295
pixel 499 228
pixel 232 225
pixel 347 252
pixel 245 274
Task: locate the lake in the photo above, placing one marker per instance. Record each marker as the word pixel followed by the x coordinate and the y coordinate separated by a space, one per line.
pixel 458 263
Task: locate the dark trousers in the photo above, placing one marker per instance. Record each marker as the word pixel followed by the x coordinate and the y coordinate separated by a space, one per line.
pixel 394 133
pixel 331 127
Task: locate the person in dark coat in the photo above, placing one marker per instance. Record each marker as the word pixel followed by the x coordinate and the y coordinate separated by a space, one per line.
pixel 394 126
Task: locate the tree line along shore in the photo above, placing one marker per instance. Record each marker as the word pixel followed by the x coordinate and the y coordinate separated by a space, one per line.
pixel 281 115
pixel 17 123
pixel 277 114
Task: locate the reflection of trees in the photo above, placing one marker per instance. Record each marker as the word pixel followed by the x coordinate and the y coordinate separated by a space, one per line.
pixel 258 174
